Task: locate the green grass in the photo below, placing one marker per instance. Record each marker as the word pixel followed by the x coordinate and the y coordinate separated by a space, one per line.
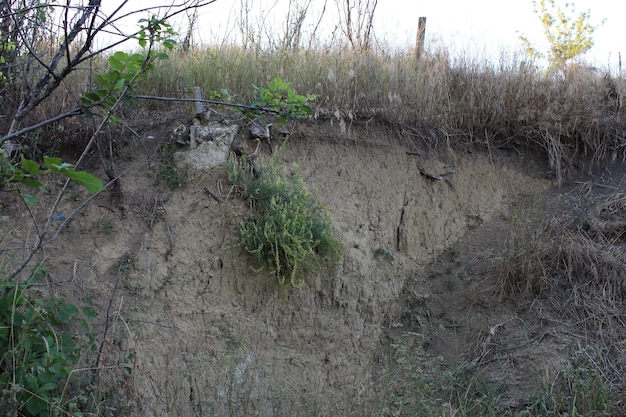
pixel 288 231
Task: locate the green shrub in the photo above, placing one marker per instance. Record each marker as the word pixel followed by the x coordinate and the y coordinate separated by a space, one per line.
pixel 37 357
pixel 169 174
pixel 288 231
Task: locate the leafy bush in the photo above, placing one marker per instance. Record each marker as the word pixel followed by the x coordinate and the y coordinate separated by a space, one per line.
pixel 27 173
pixel 280 98
pixel 37 356
pixel 288 231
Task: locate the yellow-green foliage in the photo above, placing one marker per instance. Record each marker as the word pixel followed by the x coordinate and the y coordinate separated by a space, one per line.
pixel 569 36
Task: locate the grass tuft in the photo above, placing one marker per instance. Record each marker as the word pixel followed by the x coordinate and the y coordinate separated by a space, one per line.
pixel 288 231
pixel 578 264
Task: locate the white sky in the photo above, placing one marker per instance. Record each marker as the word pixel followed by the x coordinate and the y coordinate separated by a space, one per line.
pixel 478 27
pixel 496 24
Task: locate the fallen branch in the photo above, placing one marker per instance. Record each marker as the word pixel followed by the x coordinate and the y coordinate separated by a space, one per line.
pixel 214 102
pixel 430 176
pixel 212 195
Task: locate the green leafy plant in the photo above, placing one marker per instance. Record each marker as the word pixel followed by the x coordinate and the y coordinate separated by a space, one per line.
pixel 287 231
pixel 126 69
pixel 568 35
pixel 27 172
pixel 6 47
pixel 37 353
pixel 169 174
pixel 279 98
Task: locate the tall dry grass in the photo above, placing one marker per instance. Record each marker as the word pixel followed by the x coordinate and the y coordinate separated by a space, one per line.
pixel 578 263
pixel 569 117
pixel 573 116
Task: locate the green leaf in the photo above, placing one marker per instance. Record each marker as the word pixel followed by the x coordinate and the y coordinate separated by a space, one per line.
pixel 121 56
pixel 91 183
pixel 107 78
pixel 136 58
pixel 49 386
pixel 29 199
pixel 119 85
pixel 30 182
pixel 35 406
pixel 31 166
pixel 133 68
pixel 92 97
pixel 115 63
pixel 52 163
pixel 89 312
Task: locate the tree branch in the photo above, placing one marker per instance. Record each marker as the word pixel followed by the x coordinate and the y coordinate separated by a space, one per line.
pixel 217 103
pixel 74 112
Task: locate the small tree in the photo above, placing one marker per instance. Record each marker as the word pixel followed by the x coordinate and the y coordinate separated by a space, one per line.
pixel 568 34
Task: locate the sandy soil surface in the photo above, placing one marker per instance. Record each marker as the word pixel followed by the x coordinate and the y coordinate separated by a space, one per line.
pixel 206 335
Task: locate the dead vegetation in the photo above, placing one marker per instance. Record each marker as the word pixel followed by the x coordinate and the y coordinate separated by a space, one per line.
pixel 577 263
pixel 571 117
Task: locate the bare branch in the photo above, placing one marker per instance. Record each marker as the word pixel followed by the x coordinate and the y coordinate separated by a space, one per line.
pixel 86 21
pixel 74 112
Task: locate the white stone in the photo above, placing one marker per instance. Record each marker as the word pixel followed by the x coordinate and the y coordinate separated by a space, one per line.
pixel 213 142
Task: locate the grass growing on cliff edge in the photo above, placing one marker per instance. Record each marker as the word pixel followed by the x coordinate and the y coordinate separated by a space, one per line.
pixel 440 99
pixel 287 230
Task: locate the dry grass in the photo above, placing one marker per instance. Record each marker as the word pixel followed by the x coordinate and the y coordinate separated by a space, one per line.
pixel 570 117
pixel 578 263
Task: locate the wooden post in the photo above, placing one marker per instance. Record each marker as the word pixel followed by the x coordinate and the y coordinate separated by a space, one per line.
pixel 199 107
pixel 421 34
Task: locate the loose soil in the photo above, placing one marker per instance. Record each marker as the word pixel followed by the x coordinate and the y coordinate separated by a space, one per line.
pixel 204 334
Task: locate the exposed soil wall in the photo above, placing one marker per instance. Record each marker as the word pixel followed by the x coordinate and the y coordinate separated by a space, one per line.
pixel 203 331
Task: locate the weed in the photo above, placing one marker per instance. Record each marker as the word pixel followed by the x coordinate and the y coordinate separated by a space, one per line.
pixel 103 227
pixel 520 260
pixel 38 354
pixel 287 231
pixel 578 390
pixel 169 174
pixel 475 395
pixel 172 177
pixel 383 254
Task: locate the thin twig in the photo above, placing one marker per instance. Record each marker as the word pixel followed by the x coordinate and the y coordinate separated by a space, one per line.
pixel 215 102
pixel 212 194
pixel 74 112
pixel 123 263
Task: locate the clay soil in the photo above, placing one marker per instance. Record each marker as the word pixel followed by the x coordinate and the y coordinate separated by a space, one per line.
pixel 203 334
